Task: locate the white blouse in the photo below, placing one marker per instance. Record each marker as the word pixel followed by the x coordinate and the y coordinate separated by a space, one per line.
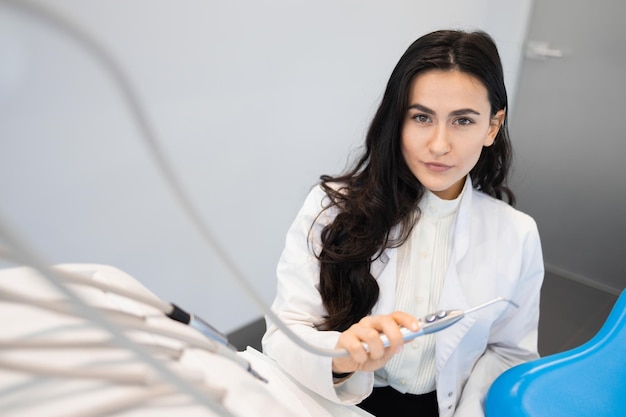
pixel 422 262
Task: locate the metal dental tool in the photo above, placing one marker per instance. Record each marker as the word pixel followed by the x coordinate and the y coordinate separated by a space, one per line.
pixel 440 320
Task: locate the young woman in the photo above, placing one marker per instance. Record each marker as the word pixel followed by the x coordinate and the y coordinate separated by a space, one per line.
pixel 423 222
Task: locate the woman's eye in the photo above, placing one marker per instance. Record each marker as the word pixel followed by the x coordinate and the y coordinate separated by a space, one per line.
pixel 421 118
pixel 463 121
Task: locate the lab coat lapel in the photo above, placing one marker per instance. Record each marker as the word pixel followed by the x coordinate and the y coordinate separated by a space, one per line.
pixel 384 270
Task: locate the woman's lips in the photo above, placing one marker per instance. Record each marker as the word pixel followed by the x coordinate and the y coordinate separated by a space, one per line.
pixel 437 167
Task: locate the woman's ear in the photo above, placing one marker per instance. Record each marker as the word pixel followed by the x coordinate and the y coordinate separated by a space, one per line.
pixel 494 127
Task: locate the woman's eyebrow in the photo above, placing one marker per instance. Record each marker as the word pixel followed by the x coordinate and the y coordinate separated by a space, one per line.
pixel 458 112
pixel 461 112
pixel 421 108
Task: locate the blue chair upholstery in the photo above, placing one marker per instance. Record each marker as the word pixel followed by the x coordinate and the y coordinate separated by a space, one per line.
pixel 587 381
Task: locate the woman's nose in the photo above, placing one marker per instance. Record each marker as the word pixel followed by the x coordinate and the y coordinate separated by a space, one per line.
pixel 439 143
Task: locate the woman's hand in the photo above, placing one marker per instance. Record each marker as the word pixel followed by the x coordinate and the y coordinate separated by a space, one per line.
pixel 368 330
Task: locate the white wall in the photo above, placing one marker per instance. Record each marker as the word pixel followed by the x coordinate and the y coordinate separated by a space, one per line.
pixel 251 100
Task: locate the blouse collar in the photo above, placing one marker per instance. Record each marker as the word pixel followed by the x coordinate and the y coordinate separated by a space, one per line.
pixel 431 205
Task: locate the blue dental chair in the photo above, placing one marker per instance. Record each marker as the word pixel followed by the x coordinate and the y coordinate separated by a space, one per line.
pixel 587 381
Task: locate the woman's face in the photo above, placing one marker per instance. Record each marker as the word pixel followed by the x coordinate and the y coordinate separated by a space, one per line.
pixel 445 128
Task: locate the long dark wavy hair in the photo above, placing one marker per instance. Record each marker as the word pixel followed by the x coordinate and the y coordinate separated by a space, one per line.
pixel 379 194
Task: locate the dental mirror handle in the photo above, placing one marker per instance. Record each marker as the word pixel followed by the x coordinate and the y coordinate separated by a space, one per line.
pixel 438 321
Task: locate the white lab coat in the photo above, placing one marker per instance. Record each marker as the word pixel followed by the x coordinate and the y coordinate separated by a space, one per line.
pixel 496 252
